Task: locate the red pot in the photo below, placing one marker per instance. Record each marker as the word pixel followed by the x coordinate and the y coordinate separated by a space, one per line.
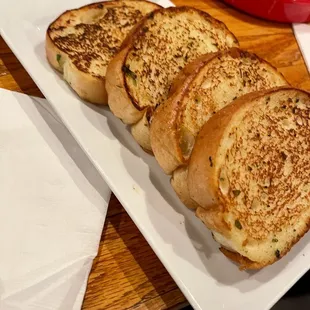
pixel 288 11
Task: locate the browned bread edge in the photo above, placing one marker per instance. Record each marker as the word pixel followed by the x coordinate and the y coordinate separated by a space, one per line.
pixel 88 87
pixel 126 108
pixel 202 180
pixel 165 134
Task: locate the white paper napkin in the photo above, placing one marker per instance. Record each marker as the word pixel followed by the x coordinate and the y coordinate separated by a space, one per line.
pixel 302 33
pixel 53 205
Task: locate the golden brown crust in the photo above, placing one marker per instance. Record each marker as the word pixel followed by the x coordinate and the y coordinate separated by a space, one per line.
pixel 213 219
pixel 164 132
pixel 246 264
pixel 179 184
pixel 243 262
pixel 88 87
pixel 171 138
pixel 166 143
pixel 202 176
pixel 140 34
pixel 91 30
pixel 80 45
pixel 189 72
pixel 204 186
pixel 130 77
pixel 118 99
pixel 140 131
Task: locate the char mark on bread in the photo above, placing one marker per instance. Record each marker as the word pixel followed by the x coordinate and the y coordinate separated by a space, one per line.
pixel 255 196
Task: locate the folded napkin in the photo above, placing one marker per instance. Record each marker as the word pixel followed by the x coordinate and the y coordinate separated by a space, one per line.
pixel 53 205
pixel 302 33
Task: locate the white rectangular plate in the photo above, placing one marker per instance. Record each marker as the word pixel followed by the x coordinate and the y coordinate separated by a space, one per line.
pixel 183 244
pixel 302 34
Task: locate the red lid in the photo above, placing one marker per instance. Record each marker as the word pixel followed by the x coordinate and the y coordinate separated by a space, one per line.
pixel 289 11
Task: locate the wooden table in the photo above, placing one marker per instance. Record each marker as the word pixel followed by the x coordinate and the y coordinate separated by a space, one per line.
pixel 126 273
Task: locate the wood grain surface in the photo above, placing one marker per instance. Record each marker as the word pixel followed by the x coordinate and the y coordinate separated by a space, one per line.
pixel 126 273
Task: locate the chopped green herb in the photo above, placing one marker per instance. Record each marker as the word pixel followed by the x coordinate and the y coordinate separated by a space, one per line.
pixel 235 98
pixel 145 29
pixel 238 224
pixel 236 192
pixel 211 162
pixel 222 179
pixel 275 240
pixel 277 253
pixel 297 100
pixel 100 6
pixel 130 74
pixel 151 16
pixel 58 57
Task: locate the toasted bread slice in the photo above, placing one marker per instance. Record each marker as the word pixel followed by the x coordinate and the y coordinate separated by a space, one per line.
pixel 211 83
pixel 81 42
pixel 140 76
pixel 248 172
pixel 205 87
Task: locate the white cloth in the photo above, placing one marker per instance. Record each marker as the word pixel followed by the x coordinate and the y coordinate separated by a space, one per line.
pixel 302 33
pixel 53 205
